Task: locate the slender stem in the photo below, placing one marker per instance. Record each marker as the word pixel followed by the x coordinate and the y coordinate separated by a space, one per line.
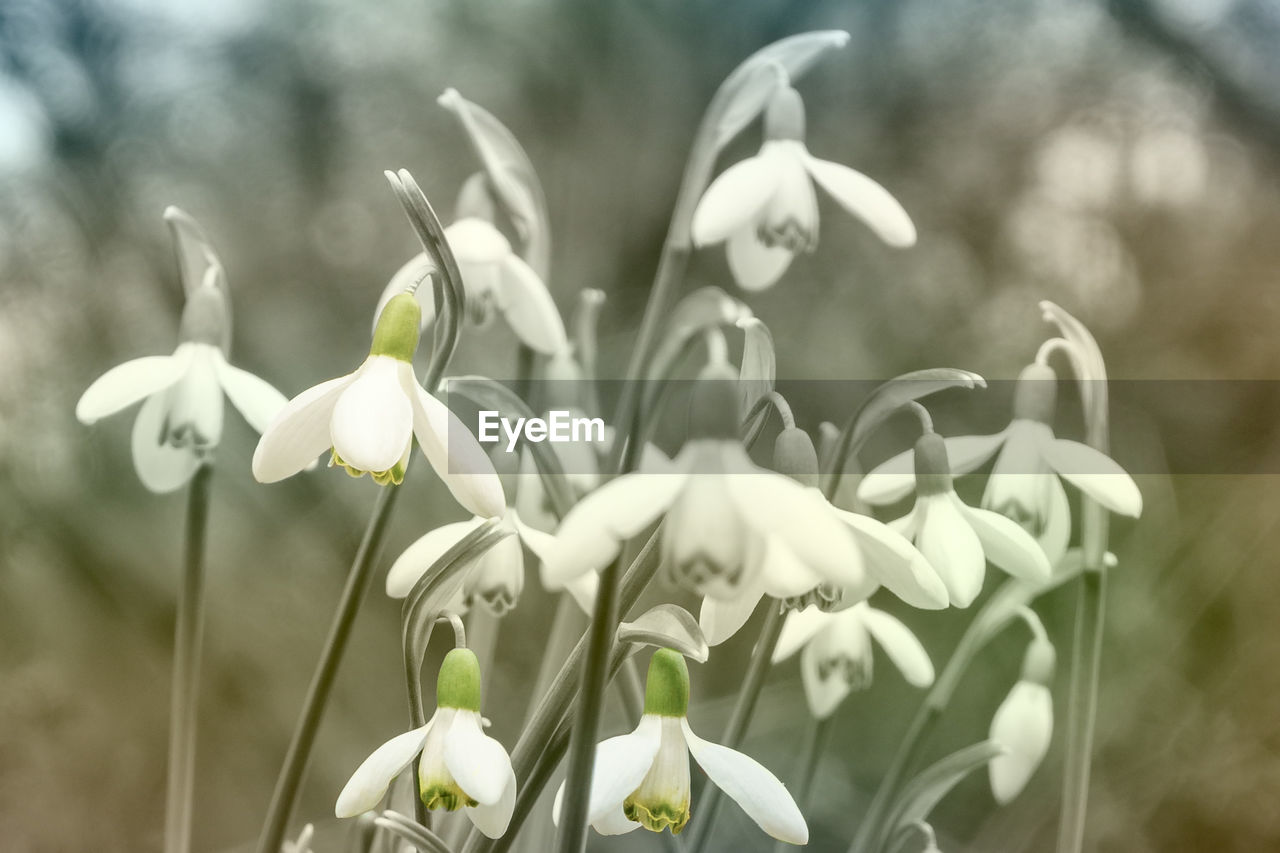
pixel 483 628
pixel 739 719
pixel 304 734
pixel 817 736
pixel 186 668
pixel 1082 709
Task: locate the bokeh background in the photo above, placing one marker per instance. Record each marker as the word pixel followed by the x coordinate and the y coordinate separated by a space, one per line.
pixel 1121 159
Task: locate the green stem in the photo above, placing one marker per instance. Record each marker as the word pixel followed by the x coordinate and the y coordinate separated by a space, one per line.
pixel 1082 709
pixel 740 718
pixel 816 739
pixel 304 734
pixel 186 668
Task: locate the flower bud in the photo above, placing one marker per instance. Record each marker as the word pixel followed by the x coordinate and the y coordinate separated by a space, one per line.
pixel 795 456
pixel 396 334
pixel 458 685
pixel 1035 394
pixel 1039 662
pixel 933 468
pixel 784 115
pixel 206 318
pixel 666 691
pixel 1023 725
pixel 713 411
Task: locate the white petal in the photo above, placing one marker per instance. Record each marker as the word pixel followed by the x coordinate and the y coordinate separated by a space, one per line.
pixel 901 645
pixel 893 561
pixel 803 520
pixel 528 307
pixel 751 786
pixel 620 766
pixel 615 822
pixel 456 455
pixel 799 628
pixel 254 398
pixel 369 783
pixel 592 532
pixel 754 265
pixel 1023 725
pixel 824 693
pixel 865 199
pixel 418 557
pixel 1007 545
pixel 1056 535
pixel 584 589
pixel 373 418
pixel 949 544
pixel 126 384
pixel 414 271
pixel 720 619
pixel 299 433
pixel 475 241
pixel 161 467
pixel 492 820
pixel 1095 474
pixel 478 762
pixel 734 199
pixel 782 574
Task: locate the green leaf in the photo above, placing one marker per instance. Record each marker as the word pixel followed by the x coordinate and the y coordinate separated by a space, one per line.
pixel 491 395
pixel 919 796
pixel 746 91
pixel 759 363
pixel 667 626
pixel 511 175
pixel 411 831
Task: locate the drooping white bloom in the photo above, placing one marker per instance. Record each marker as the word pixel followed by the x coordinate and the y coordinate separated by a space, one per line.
pixel 496 279
pixel 1023 724
pixel 180 422
pixel 835 652
pixel 1026 481
pixel 765 209
pixel 888 558
pixel 369 419
pixel 497 579
pixel 957 539
pixel 642 778
pixel 459 766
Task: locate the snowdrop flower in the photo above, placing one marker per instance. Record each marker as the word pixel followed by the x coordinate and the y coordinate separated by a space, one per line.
pixel 765 208
pixel 887 557
pixel 1023 724
pixel 836 657
pixel 496 280
pixel 459 766
pixel 180 422
pixel 1026 481
pixel 369 419
pixel 956 539
pixel 642 778
pixel 726 519
pixel 497 579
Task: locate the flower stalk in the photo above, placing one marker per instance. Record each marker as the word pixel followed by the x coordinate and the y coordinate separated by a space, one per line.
pixel 188 635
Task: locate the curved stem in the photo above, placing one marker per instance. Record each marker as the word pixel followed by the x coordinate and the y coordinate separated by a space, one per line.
pixel 304 734
pixel 186 668
pixel 740 718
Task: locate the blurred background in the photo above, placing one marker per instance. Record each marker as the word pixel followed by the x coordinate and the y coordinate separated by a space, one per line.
pixel 1121 159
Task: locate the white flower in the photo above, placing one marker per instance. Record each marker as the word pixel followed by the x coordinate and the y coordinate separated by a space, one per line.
pixel 955 539
pixel 642 778
pixel 1026 481
pixel 496 280
pixel 370 417
pixel 459 765
pixel 1023 724
pixel 498 576
pixel 765 207
pixel 180 421
pixel 836 657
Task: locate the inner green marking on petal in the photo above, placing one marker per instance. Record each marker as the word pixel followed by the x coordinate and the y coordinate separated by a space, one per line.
pixel 449 797
pixel 657 815
pixel 392 476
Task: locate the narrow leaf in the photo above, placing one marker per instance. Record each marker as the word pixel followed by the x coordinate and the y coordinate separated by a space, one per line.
pixel 667 626
pixel 925 791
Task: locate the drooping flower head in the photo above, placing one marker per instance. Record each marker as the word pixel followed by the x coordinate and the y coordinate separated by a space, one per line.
pixel 642 778
pixel 765 209
pixel 1023 724
pixel 459 766
pixel 956 539
pixel 368 420
pixel 180 422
